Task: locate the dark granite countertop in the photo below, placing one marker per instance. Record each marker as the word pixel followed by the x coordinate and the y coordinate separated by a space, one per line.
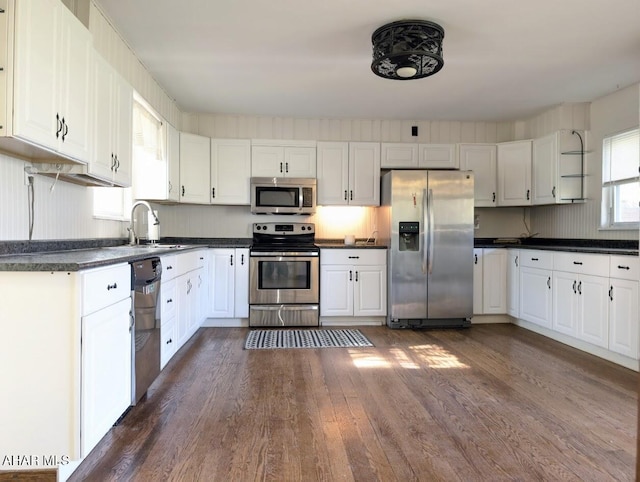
pixel 76 255
pixel 598 246
pixel 339 244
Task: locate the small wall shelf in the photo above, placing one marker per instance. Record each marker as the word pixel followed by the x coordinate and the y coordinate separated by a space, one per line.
pixel 576 171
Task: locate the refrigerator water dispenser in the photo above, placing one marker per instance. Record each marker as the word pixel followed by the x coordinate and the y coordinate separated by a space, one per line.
pixel 409 232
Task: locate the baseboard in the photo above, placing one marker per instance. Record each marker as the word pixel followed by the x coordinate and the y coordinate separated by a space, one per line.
pixel 225 323
pixel 486 319
pixel 598 351
pixel 352 320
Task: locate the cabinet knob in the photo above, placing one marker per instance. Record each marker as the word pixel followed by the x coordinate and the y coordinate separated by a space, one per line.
pixel 623 267
pixel 231 260
pixel 611 293
pixel 112 287
pixel 170 300
pixel 58 125
pixel 528 194
pixel 350 275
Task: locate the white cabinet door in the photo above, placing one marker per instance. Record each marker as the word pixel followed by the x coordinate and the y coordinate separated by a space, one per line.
pixel 513 282
pixel 52 96
pixel 544 167
pixel 38 45
pixel 230 171
pixel 565 303
pixel 370 291
pixel 482 160
pixel 514 173
pixel 241 302
pixel 364 173
pixel 333 173
pixel 186 306
pixel 222 283
pixel 494 281
pixel 267 161
pixel 283 161
pixel 195 160
pixel 438 156
pixel 336 290
pixel 399 155
pixel 593 310
pixel 172 184
pixel 106 371
pixel 477 281
pixel 535 295
pixel 168 340
pixel 112 125
pixel 623 317
pixel 300 162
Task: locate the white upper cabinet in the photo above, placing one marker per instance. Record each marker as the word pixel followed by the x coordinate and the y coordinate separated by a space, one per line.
pixel 52 79
pixel 230 171
pixel 195 165
pixel 364 173
pixel 408 155
pixel 514 173
pixel 558 168
pixel 402 155
pixel 482 160
pixel 438 156
pixel 333 173
pixel 277 158
pixel 112 125
pixel 349 173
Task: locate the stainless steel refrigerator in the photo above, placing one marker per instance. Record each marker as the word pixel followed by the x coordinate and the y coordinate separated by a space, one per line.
pixel 427 223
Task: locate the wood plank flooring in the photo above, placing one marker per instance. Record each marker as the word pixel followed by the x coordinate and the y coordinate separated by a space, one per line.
pixel 492 402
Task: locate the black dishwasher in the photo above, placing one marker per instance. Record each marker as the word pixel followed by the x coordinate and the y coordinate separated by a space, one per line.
pixel 145 285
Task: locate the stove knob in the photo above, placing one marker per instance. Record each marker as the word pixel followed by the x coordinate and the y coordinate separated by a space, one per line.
pixel 303 228
pixel 264 228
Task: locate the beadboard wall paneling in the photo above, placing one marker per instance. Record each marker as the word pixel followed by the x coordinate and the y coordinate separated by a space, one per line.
pixel 108 42
pixel 563 116
pixel 502 222
pixel 236 221
pixel 264 127
pixel 64 213
pixel 612 113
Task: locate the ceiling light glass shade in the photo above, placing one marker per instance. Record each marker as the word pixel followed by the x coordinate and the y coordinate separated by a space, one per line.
pixel 407 49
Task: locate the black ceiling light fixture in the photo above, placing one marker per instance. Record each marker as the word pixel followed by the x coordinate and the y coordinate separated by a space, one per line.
pixel 407 49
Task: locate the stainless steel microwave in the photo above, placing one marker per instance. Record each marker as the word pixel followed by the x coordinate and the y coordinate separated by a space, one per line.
pixel 283 195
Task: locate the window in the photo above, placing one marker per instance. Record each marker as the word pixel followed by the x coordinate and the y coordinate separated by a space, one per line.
pixel 148 148
pixel 620 181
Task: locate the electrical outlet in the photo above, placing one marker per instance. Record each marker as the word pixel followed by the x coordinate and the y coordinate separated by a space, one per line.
pixel 27 174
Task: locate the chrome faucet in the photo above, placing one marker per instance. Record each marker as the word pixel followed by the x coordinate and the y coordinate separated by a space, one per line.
pixel 133 239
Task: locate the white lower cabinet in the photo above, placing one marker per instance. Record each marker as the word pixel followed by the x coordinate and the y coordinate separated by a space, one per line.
pixel 623 305
pixel 535 287
pixel 489 281
pixel 106 370
pixel 513 282
pixel 183 296
pixel 353 282
pixel 229 283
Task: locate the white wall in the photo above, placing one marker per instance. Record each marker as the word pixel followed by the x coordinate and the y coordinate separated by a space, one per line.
pixel 609 114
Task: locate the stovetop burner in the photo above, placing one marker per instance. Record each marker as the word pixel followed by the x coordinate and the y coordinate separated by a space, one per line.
pixel 284 236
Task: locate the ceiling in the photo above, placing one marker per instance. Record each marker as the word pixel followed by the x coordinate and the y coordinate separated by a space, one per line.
pixel 503 59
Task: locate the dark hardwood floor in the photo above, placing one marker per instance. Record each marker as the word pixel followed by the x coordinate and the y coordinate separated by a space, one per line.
pixel 489 403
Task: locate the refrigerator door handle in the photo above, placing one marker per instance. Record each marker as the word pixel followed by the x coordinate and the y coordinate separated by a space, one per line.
pixel 425 221
pixel 431 244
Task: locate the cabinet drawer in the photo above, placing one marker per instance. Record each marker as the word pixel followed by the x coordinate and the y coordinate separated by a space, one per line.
pixel 102 287
pixel 624 267
pixel 169 299
pixel 189 261
pixel 353 256
pixel 169 267
pixel 534 258
pixel 582 263
pixel 168 341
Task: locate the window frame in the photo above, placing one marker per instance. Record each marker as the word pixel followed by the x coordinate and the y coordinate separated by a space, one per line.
pixel 610 200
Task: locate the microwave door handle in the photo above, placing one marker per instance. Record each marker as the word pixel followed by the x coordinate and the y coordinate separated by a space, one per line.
pixel 300 197
pixel 424 244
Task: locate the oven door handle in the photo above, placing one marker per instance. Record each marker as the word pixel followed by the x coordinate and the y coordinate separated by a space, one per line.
pixel 287 307
pixel 288 256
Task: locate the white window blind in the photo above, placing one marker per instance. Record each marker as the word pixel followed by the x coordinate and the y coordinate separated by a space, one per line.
pixel 620 180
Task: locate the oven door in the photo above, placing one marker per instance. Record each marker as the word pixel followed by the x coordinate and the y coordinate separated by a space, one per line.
pixel 277 278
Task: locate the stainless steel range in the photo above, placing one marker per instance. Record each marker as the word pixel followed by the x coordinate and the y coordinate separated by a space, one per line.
pixel 284 272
